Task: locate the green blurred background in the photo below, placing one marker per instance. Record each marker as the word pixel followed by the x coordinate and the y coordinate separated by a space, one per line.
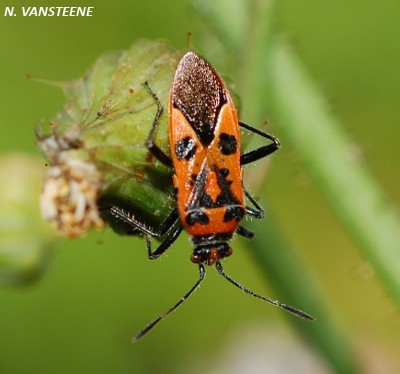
pixel 99 291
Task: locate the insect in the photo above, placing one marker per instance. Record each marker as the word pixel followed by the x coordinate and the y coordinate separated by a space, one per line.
pixel 204 136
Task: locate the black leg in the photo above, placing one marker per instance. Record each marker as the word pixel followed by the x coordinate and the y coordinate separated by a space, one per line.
pixel 259 152
pixel 171 230
pixel 129 219
pixel 244 232
pixel 168 227
pixel 165 244
pixel 157 152
pixel 169 222
pixel 257 211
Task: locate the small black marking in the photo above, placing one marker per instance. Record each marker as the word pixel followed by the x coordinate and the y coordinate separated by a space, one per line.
pixel 197 216
pixel 201 199
pixel 224 172
pixel 226 197
pixel 185 148
pixel 233 212
pixel 206 133
pixel 206 201
pixel 192 181
pixel 227 144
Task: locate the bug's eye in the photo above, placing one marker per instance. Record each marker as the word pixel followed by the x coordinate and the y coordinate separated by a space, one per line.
pixel 195 258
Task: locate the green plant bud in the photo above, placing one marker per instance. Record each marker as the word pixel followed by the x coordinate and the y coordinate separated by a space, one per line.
pixel 96 146
pixel 26 241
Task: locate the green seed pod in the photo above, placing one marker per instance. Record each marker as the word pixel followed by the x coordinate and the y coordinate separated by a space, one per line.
pixel 96 148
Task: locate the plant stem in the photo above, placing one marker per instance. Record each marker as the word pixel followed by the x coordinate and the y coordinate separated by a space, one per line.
pixel 337 166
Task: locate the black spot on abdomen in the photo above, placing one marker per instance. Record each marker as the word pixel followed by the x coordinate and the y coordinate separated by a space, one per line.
pixel 197 216
pixel 233 212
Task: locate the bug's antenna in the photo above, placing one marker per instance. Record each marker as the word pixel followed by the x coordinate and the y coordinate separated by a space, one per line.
pixel 288 308
pixel 202 272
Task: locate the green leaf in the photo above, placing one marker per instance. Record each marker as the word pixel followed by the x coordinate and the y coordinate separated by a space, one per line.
pixel 97 147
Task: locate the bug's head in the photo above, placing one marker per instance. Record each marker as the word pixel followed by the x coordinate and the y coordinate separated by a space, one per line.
pixel 210 253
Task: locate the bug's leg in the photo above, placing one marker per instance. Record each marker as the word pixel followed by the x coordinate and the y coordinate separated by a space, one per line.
pixel 256 211
pixel 165 244
pixel 172 229
pixel 157 152
pixel 259 152
pixel 129 219
pixel 170 221
pixel 168 227
pixel 244 232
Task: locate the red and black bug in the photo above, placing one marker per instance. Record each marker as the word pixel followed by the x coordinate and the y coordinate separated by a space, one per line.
pixel 204 135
